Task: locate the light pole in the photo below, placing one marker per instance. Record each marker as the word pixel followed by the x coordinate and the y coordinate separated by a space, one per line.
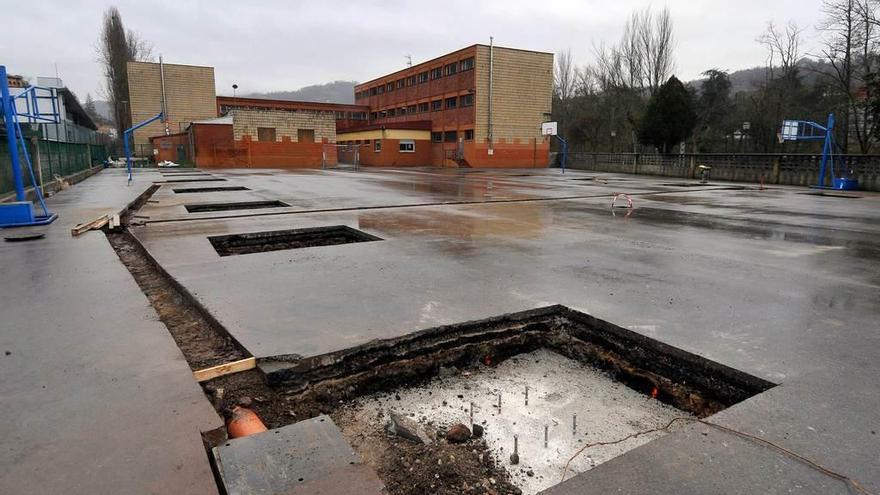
pixel 234 87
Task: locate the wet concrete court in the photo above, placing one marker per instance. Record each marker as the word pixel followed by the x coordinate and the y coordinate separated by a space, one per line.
pixel 775 282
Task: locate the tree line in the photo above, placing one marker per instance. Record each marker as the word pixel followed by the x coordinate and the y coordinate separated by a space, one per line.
pixel 628 99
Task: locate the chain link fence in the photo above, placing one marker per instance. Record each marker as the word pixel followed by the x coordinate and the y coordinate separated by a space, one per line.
pixel 49 158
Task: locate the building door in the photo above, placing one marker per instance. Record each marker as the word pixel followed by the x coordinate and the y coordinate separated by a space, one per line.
pixel 181 153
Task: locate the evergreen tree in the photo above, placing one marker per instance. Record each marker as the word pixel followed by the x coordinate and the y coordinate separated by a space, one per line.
pixel 670 116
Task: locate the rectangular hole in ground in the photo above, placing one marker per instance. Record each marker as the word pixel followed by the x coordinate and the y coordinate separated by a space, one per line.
pixel 212 179
pixel 244 205
pixel 191 190
pixel 616 381
pixel 261 242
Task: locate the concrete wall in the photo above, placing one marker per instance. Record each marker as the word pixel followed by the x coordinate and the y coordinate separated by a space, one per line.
pixel 796 170
pixel 286 123
pixel 189 90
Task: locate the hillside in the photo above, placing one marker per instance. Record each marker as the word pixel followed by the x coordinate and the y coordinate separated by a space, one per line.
pixel 332 92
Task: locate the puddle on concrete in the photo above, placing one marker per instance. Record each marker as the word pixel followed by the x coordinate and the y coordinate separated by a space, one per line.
pixel 559 388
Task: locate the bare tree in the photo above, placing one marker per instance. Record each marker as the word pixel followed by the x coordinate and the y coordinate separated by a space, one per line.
pixel 783 49
pixel 116 47
pixel 849 48
pixel 657 44
pixel 565 79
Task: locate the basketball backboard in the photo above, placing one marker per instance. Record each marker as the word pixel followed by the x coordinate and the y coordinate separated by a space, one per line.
pixel 548 129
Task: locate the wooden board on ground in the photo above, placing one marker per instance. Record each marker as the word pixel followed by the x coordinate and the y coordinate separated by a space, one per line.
pixel 225 369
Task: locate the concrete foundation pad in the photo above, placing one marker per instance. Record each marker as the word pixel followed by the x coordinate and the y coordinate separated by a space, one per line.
pixel 577 403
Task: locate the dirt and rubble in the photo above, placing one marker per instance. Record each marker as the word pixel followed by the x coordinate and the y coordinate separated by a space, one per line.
pixel 202 344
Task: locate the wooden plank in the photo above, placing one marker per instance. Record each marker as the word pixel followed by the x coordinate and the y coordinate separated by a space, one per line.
pixel 93 225
pixel 225 369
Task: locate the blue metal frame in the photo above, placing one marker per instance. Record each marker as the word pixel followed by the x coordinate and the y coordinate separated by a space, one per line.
pixel 564 150
pixel 811 131
pixel 21 212
pixel 127 134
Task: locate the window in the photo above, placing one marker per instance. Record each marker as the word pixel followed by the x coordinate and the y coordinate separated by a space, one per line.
pixel 400 83
pixel 359 115
pixel 467 100
pixel 373 115
pixel 380 90
pixel 437 137
pixel 305 135
pixel 265 134
pixel 437 73
pixel 436 105
pixel 373 91
pixel 389 87
pixel 382 114
pixel 340 115
pixel 401 111
pixel 423 77
pixel 466 64
pixel 450 136
pixel 377 145
pixel 411 81
pixel 452 102
pixel 391 112
pixel 407 146
pixel 469 135
pixel 423 107
pixel 411 109
pixel 451 69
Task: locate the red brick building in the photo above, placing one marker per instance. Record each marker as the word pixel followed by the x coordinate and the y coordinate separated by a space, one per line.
pixel 481 106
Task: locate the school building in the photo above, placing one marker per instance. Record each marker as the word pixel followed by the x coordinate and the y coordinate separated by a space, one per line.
pixel 481 106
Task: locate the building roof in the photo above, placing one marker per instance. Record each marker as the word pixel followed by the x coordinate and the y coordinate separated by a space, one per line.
pixel 289 104
pixel 75 111
pixel 226 119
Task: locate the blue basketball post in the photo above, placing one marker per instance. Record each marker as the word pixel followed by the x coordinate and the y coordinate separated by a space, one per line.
pixel 21 213
pixel 805 130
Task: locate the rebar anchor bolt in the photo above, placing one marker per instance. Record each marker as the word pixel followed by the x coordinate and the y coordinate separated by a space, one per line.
pixel 514 457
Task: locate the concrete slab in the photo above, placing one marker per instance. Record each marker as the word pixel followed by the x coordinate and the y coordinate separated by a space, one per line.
pixel 310 457
pixel 95 395
pixel 776 283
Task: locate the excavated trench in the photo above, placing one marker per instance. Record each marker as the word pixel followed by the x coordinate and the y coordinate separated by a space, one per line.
pixel 290 388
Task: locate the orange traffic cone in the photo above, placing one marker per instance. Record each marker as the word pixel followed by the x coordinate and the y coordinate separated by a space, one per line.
pixel 244 422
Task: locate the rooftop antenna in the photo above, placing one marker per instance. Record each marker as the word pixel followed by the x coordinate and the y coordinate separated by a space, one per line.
pixel 408 60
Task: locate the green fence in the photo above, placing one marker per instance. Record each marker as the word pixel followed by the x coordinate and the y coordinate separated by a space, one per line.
pixel 54 158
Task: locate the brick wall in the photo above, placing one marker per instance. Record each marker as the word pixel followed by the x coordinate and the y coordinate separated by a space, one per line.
pixel 285 123
pixel 522 93
pixel 189 90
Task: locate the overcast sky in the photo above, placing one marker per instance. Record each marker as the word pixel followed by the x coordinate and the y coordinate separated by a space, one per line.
pixel 284 45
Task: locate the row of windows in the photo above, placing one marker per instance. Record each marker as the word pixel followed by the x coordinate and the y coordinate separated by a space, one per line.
pixel 351 115
pixel 451 136
pixel 421 77
pixel 434 106
pixel 409 146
